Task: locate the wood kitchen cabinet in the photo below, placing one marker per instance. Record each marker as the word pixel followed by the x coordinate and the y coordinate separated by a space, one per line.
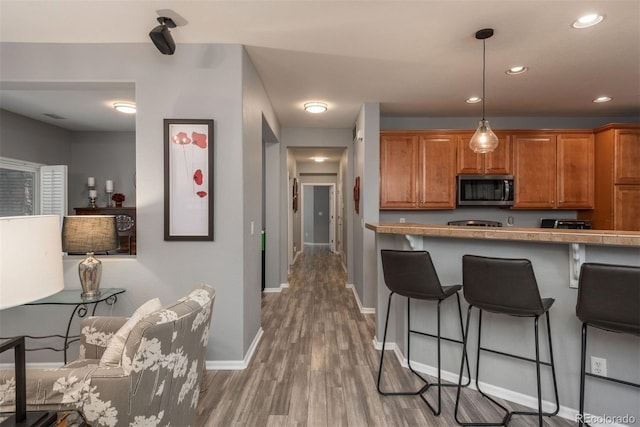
pixel 417 170
pixel 125 221
pixel 617 178
pixel 497 162
pixel 553 170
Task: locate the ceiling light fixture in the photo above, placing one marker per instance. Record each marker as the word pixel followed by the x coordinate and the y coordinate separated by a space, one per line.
pixel 602 99
pixel 513 71
pixel 587 21
pixel 315 107
pixel 161 36
pixel 484 140
pixel 125 107
pixel 473 100
pixel 319 159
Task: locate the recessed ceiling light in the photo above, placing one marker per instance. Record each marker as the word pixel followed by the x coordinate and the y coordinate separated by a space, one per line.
pixel 319 159
pixel 517 70
pixel 315 107
pixel 602 99
pixel 473 100
pixel 125 107
pixel 587 21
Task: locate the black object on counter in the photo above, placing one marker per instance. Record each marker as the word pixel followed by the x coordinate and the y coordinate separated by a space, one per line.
pixel 565 223
pixel 476 223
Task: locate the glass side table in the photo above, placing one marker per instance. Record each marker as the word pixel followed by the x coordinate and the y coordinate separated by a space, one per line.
pixel 72 297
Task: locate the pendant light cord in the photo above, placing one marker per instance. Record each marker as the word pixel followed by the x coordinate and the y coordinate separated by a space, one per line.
pixel 484 54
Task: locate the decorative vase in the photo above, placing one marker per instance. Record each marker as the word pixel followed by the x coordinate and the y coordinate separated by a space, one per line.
pixel 118 204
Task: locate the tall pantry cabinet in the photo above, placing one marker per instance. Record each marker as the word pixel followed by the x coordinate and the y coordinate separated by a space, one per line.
pixel 617 179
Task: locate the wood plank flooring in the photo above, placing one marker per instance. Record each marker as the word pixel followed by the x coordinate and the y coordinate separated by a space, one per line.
pixel 316 366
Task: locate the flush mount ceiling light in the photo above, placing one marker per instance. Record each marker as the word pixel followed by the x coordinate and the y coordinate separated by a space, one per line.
pixel 315 107
pixel 513 71
pixel 161 36
pixel 473 100
pixel 602 99
pixel 587 21
pixel 125 107
pixel 484 140
pixel 319 159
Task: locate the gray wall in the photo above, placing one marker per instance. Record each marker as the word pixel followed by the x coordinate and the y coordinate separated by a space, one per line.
pixel 103 155
pixel 23 138
pixel 199 81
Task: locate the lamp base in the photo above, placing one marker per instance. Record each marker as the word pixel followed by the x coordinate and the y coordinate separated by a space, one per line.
pixel 90 272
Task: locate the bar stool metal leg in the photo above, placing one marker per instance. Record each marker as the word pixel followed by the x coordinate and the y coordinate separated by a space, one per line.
pixel 426 382
pixel 537 361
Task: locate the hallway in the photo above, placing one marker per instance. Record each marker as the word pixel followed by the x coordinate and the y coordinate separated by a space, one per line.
pixel 316 365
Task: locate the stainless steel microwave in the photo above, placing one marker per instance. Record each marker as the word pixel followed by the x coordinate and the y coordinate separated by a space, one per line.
pixel 485 190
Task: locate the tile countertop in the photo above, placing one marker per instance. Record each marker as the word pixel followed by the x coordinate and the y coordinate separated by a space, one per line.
pixel 592 237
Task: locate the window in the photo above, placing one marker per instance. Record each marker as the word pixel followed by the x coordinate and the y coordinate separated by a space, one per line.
pixel 28 188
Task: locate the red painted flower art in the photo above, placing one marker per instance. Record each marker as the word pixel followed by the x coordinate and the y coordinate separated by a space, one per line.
pixel 199 139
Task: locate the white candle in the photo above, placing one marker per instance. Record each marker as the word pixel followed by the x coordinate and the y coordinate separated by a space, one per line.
pixel 93 194
pixel 109 186
pixel 91 181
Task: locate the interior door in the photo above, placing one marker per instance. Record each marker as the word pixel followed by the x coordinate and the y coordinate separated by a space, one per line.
pixel 332 216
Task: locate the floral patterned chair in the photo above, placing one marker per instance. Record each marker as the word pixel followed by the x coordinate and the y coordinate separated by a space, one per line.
pixel 156 384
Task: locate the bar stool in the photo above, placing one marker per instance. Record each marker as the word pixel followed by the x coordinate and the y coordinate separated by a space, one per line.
pixel 505 286
pixel 609 299
pixel 411 274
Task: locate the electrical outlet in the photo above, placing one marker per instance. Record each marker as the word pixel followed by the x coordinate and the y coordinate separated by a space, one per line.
pixel 599 366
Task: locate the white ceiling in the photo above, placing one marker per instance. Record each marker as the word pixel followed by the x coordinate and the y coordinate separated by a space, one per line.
pixel 416 58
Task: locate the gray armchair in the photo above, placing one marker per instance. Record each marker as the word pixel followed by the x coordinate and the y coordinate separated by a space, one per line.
pixel 157 382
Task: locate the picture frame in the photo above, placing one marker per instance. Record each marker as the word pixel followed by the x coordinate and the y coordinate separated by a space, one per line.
pixel 294 195
pixel 188 179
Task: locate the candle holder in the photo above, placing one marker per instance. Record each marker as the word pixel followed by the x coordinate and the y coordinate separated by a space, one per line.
pixel 109 201
pixel 92 196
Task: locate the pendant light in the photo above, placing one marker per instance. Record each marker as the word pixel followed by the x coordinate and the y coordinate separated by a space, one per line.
pixel 484 140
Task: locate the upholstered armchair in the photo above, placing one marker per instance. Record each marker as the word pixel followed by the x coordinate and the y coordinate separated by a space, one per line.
pixel 154 382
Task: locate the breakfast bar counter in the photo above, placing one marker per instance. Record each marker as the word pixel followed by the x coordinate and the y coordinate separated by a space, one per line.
pixel 549 235
pixel 556 256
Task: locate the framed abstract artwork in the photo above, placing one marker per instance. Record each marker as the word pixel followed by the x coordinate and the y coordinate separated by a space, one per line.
pixel 188 179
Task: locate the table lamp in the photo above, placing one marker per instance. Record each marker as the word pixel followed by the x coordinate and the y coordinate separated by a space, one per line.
pixel 89 234
pixel 30 269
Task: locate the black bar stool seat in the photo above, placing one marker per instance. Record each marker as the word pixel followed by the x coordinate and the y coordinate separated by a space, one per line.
pixel 608 299
pixel 505 286
pixel 411 274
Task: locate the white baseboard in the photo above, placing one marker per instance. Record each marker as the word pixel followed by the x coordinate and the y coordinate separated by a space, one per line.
pixel 235 365
pixel 499 392
pixel 363 310
pixel 275 290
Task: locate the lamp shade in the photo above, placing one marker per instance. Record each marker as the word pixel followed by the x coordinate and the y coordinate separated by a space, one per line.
pixel 89 233
pixel 30 259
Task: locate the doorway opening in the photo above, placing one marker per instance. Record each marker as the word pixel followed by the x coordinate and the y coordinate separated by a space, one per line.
pixel 318 225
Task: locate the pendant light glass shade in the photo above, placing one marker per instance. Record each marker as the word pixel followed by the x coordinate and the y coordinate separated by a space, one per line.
pixel 484 140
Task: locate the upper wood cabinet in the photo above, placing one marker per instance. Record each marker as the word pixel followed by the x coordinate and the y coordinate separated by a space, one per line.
pixel 417 170
pixel 627 155
pixel 398 171
pixel 437 166
pixel 497 162
pixel 553 170
pixel 617 179
pixel 534 161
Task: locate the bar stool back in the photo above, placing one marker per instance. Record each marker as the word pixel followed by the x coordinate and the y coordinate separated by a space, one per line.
pixel 608 299
pixel 411 274
pixel 505 286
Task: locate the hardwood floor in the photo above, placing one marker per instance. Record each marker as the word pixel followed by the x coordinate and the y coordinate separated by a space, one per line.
pixel 316 366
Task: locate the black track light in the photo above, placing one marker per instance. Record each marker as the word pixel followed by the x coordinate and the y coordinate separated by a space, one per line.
pixel 161 36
